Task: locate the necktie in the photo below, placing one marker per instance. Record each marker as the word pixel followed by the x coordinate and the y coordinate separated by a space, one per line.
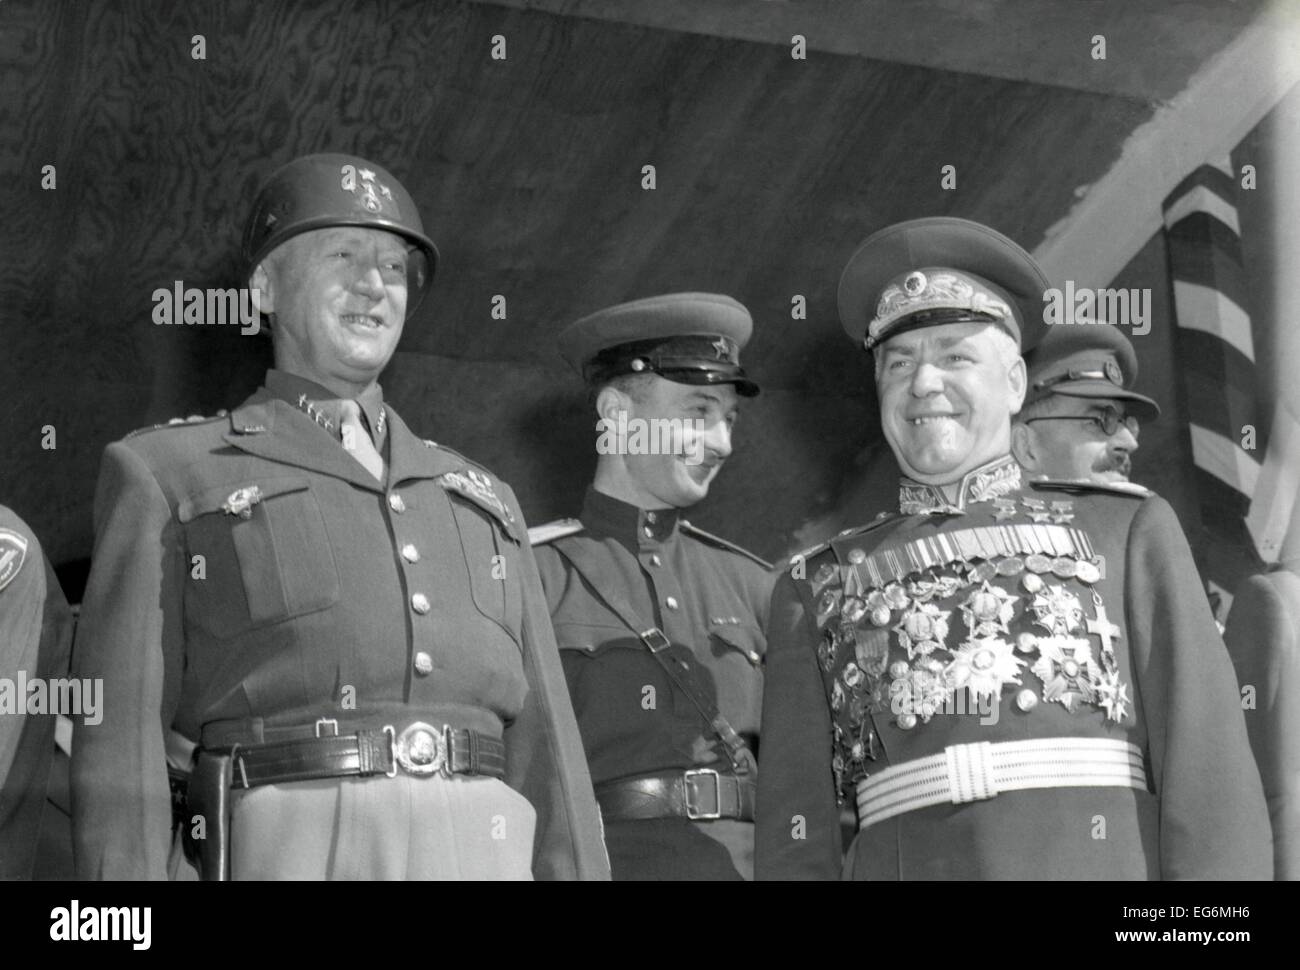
pixel 356 439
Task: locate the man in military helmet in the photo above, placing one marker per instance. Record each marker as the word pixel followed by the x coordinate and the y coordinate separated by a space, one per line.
pixel 342 622
pixel 1081 416
pixel 995 704
pixel 660 624
pixel 35 638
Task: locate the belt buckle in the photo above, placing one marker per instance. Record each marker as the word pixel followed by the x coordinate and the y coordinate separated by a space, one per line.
pixel 692 811
pixel 422 749
pixel 329 722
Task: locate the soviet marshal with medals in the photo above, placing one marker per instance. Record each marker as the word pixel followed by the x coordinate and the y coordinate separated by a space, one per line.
pixel 1011 680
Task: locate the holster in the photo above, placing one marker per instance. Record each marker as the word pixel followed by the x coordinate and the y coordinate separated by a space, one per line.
pixel 208 795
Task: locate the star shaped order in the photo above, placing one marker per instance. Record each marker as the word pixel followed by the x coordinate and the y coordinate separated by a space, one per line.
pixel 1057 610
pixel 1067 670
pixel 367 175
pixel 923 629
pixel 1112 695
pixel 984 666
pixel 988 610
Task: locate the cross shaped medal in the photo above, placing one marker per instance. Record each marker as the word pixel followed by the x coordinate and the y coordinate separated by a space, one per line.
pixel 1103 628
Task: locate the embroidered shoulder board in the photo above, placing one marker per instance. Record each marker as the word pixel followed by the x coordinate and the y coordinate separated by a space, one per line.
pixel 540 535
pixel 1131 489
pixel 181 422
pixel 711 539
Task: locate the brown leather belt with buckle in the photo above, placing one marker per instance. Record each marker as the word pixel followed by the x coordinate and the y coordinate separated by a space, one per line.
pixel 700 794
pixel 419 749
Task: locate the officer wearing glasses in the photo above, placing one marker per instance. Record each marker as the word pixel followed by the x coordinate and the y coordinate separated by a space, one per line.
pixel 1081 417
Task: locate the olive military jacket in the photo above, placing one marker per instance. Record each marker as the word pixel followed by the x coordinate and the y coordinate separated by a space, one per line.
pixel 1263 638
pixel 248 572
pixel 710 599
pixel 35 638
pixel 1023 613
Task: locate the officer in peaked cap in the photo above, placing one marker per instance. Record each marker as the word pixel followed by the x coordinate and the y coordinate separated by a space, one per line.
pixel 906 277
pixel 1081 417
pixel 661 625
pixel 965 668
pixel 331 630
pixel 687 338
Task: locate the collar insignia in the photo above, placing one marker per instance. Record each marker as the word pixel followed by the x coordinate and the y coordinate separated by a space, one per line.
pixel 987 484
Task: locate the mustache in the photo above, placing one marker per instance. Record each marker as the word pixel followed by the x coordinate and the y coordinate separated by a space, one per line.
pixel 1114 462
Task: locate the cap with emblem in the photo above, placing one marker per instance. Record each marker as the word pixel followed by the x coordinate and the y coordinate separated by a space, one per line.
pixel 690 338
pixel 1093 360
pixel 928 272
pixel 319 191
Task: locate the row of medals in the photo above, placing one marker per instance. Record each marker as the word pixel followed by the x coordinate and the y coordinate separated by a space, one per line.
pixel 1062 659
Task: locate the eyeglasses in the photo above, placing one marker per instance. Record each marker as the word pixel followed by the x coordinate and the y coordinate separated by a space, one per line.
pixel 1109 421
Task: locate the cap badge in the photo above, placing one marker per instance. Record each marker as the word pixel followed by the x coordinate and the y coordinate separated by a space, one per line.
pixel 722 348
pixel 940 291
pixel 1113 373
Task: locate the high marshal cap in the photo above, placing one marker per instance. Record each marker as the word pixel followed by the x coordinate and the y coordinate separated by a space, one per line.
pixel 690 338
pixel 1091 360
pixel 319 191
pixel 928 272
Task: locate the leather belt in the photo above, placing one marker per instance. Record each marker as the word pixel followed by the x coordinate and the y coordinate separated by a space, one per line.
pixel 971 772
pixel 700 793
pixel 419 749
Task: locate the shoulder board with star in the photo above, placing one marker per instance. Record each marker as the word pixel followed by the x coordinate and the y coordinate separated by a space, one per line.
pixel 540 535
pixel 186 422
pixel 1131 489
pixel 711 539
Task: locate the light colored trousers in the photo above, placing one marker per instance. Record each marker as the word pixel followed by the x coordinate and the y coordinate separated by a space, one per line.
pixel 404 827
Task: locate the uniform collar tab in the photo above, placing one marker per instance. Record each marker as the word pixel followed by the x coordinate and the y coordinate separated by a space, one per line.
pixel 983 484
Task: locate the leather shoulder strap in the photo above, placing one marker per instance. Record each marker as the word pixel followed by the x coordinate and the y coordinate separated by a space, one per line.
pixel 578 555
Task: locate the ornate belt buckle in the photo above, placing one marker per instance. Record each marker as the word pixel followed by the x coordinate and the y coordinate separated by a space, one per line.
pixel 692 808
pixel 422 749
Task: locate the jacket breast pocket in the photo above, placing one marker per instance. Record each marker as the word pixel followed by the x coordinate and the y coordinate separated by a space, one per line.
pixel 271 563
pixel 748 641
pixel 493 565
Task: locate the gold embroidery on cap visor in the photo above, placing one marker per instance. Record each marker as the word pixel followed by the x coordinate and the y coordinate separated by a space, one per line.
pixel 919 292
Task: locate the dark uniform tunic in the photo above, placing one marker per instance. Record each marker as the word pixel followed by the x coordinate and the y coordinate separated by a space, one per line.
pixel 250 574
pixel 1263 638
pixel 710 599
pixel 882 643
pixel 35 636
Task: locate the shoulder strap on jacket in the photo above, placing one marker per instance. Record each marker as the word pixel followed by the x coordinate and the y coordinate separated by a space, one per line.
pixel 577 554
